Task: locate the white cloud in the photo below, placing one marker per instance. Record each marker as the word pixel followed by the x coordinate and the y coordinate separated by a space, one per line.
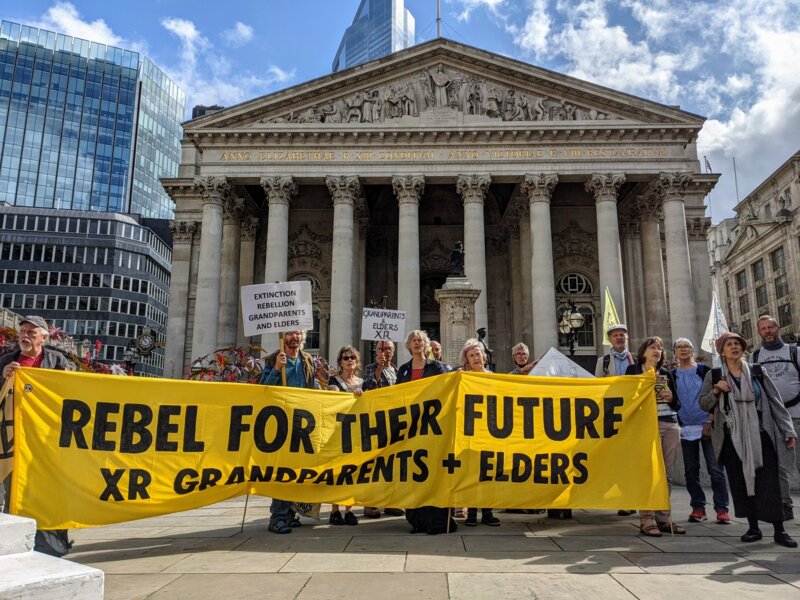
pixel 238 35
pixel 468 6
pixel 209 78
pixel 63 17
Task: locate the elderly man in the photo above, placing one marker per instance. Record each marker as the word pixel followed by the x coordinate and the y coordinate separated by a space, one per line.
pixel 780 361
pixel 380 374
pixel 300 373
pixel 614 363
pixel 33 333
pixel 520 354
pixel 436 354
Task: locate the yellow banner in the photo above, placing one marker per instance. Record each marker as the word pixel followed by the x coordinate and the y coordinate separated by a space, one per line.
pixel 96 449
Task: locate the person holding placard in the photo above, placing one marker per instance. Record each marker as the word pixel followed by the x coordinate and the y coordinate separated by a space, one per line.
pixel 651 356
pixel 301 373
pixel 348 361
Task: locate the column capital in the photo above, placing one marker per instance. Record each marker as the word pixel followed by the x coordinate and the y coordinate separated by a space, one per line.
pixel 472 188
pixel 213 189
pixel 671 186
pixel 249 229
pixel 408 188
pixel 279 188
pixel 232 209
pixel 344 188
pixel 629 225
pixel 182 231
pixel 697 228
pixel 605 186
pixel 539 186
pixel 649 206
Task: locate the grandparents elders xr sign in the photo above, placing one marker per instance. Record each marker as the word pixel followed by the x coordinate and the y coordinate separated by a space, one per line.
pixel 276 307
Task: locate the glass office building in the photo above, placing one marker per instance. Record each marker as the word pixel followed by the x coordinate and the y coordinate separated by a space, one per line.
pixel 380 27
pixel 85 126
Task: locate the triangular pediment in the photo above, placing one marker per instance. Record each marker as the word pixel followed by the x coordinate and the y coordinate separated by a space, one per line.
pixel 751 232
pixel 439 84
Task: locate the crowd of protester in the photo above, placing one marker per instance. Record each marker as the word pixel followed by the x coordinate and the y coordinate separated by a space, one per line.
pixel 742 417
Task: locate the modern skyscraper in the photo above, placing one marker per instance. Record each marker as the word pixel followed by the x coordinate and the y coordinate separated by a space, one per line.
pixel 380 27
pixel 86 131
pixel 85 126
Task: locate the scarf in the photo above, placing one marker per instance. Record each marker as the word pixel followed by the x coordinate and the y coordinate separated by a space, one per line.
pixel 741 417
pixel 621 361
pixel 774 346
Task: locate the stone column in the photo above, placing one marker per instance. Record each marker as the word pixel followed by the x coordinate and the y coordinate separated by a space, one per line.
pixel 247 255
pixel 679 266
pixel 206 315
pixel 702 283
pixel 630 229
pixel 343 191
pixel 472 189
pixel 456 301
pixel 539 188
pixel 229 278
pixel 526 324
pixel 182 236
pixel 362 219
pixel 512 232
pixel 279 191
pixel 604 186
pixel 408 189
pixel 653 268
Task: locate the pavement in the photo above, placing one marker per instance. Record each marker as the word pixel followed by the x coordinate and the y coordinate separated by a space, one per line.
pixel 205 553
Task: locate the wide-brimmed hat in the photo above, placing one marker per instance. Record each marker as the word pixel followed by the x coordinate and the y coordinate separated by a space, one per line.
pixel 34 320
pixel 729 335
pixel 616 326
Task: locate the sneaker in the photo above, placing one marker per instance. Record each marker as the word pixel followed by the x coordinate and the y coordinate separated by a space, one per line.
pixel 699 514
pixel 723 518
pixel 489 519
pixel 336 518
pixel 350 518
pixel 783 539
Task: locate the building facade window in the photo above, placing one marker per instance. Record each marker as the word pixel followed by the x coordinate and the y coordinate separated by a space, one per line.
pixel 785 314
pixel 778 260
pixel 761 298
pixel 758 270
pixel 744 305
pixel 747 329
pixel 781 286
pixel 741 280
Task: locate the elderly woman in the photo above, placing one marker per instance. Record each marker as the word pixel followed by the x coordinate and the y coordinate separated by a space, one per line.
pixel 426 519
pixel 695 428
pixel 473 359
pixel 651 357
pixel 752 435
pixel 349 362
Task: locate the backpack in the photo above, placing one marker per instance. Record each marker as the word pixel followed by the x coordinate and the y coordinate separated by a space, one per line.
pixel 793 360
pixel 607 362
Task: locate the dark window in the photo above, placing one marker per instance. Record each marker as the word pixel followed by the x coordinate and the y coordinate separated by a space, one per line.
pixel 741 280
pixel 747 330
pixel 744 305
pixel 781 286
pixel 785 314
pixel 758 270
pixel 761 296
pixel 778 261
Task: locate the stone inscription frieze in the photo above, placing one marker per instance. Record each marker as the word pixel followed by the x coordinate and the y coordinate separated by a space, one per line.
pixel 439 90
pixel 442 154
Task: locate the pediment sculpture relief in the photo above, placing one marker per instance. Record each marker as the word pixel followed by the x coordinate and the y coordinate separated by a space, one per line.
pixel 574 240
pixel 437 89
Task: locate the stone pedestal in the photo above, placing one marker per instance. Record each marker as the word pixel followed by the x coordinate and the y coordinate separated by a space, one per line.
pixel 456 316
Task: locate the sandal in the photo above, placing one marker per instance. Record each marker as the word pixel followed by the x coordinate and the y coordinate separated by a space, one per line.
pixel 650 530
pixel 279 526
pixel 671 528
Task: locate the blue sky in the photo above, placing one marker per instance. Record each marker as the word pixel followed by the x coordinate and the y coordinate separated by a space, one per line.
pixel 733 61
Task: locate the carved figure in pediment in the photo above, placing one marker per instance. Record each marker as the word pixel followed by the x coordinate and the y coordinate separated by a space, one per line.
pixel 425 90
pixel 475 99
pixel 440 83
pixel 366 107
pixel 354 108
pixel 330 112
pixel 492 103
pixel 510 106
pixel 377 106
pixel 408 100
pixel 392 100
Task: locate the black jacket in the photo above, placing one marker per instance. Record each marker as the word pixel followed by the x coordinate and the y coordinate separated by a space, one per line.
pixel 431 368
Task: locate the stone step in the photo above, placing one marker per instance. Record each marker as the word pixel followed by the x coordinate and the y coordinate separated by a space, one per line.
pixel 16 534
pixel 36 576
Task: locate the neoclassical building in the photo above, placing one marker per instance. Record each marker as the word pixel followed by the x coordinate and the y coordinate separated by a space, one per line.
pixel 362 182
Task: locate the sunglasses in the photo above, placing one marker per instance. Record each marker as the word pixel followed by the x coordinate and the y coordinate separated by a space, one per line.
pixel 349 357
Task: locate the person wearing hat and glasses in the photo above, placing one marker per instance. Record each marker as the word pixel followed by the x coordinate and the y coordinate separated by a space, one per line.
pixel 614 363
pixel 753 437
pixel 33 333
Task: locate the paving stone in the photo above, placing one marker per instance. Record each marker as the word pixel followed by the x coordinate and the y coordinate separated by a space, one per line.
pixel 368 586
pixel 348 562
pixel 553 528
pixel 230 562
pixel 738 587
pixel 791 578
pixel 134 587
pixel 519 586
pixel 696 563
pixel 136 564
pixel 436 544
pixel 509 543
pixel 686 543
pixel 531 562
pixel 270 542
pixel 604 543
pixel 114 532
pixel 777 562
pixel 215 586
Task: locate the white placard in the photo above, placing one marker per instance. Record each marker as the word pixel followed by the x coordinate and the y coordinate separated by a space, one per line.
pixel 382 324
pixel 276 307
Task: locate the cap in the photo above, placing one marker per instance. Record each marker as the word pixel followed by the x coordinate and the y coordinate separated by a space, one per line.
pixel 729 335
pixel 34 320
pixel 617 326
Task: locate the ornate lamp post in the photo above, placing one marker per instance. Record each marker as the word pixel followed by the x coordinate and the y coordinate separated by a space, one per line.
pixel 571 321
